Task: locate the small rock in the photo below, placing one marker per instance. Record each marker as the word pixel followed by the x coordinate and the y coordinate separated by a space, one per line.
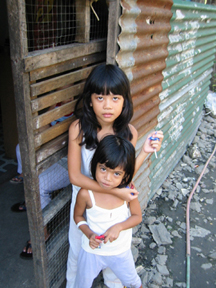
pixel 160 234
pixel 196 249
pixel 179 185
pixel 136 241
pixel 161 250
pixel 194 152
pixel 140 270
pixel 161 259
pixel 206 266
pixel 168 282
pixel 135 253
pixel 199 232
pixel 176 234
pixel 181 284
pixel 150 220
pixel 212 255
pixel 157 279
pixel 209 201
pixel 185 191
pixel 162 269
pixel 196 206
pixel 152 245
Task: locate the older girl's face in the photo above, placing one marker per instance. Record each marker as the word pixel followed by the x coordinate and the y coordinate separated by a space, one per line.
pixel 107 108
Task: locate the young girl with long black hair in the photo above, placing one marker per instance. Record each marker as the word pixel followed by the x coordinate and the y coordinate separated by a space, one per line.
pixel 105 107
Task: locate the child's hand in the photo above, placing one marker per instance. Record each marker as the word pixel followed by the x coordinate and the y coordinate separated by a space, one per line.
pixel 112 233
pixel 128 194
pixel 94 242
pixel 153 145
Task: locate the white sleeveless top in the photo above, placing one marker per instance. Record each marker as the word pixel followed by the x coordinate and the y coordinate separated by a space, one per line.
pixel 86 157
pixel 99 220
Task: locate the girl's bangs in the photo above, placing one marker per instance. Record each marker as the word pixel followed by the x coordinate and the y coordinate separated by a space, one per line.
pixel 115 161
pixel 106 85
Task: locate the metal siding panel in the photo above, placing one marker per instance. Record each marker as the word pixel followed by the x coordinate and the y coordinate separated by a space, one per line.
pixel 143 49
pixel 186 83
pixel 171 101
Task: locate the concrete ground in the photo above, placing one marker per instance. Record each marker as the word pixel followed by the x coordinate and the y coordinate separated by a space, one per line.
pixel 14 271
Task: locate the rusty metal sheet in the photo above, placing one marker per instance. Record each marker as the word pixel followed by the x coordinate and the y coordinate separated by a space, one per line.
pixel 143 49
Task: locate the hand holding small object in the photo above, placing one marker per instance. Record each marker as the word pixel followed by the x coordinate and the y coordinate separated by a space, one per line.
pixel 154 139
pixel 153 142
pixel 101 237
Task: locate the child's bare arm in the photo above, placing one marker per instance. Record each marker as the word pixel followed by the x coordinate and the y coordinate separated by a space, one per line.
pixel 80 207
pixel 74 168
pixel 136 217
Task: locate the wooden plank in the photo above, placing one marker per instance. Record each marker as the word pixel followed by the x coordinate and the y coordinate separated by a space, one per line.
pixel 51 160
pixel 49 116
pixel 82 21
pixel 49 57
pixel 113 30
pixel 52 147
pixel 52 132
pixel 56 97
pixel 56 204
pixel 58 82
pixel 67 65
pixel 16 20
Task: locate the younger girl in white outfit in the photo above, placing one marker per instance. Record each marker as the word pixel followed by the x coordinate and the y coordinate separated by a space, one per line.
pixel 107 215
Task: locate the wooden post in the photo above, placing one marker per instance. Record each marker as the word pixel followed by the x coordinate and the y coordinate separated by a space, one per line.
pixel 18 47
pixel 113 30
pixel 82 21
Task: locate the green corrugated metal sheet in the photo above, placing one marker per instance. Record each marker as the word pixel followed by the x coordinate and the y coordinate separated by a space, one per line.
pixel 192 42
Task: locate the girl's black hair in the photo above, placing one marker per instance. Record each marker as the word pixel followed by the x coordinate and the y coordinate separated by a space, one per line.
pixel 114 151
pixel 104 79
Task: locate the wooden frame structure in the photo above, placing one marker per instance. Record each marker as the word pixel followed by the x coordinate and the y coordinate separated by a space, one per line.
pixel 38 77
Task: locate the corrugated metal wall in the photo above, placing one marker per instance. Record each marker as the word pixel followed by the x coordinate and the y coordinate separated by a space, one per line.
pixel 175 106
pixel 143 49
pixel 186 82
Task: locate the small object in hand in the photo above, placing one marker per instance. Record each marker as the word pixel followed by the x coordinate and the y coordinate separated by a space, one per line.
pixel 132 187
pixel 155 152
pixel 154 138
pixel 101 237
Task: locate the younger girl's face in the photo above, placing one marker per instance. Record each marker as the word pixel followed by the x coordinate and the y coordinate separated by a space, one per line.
pixel 109 178
pixel 107 108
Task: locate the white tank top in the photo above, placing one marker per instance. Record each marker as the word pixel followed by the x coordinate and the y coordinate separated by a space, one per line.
pixel 86 157
pixel 99 220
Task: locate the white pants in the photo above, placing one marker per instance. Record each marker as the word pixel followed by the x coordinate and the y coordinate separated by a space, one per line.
pixel 75 235
pixel 90 265
pixel 53 178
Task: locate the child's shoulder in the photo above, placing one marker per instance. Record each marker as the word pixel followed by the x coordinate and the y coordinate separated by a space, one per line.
pixel 134 133
pixel 133 130
pixel 83 193
pixel 74 129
